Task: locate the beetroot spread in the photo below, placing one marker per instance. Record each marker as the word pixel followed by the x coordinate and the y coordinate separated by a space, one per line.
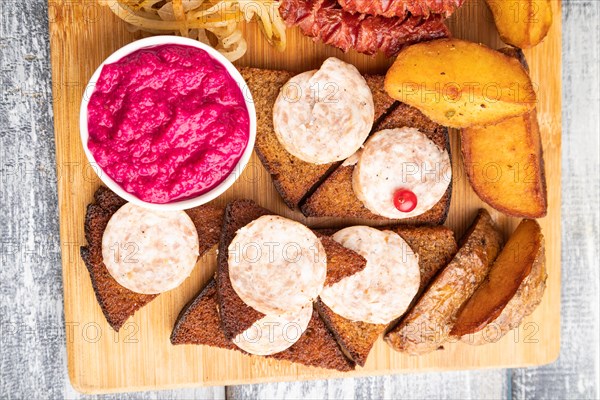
pixel 167 123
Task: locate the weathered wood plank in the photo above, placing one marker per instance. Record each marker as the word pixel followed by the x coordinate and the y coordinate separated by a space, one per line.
pixel 492 384
pixel 32 337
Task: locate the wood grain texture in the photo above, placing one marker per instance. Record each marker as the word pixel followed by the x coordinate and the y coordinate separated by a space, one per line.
pixel 140 356
pixel 32 332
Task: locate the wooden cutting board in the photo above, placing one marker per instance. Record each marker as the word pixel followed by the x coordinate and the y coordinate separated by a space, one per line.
pixel 140 356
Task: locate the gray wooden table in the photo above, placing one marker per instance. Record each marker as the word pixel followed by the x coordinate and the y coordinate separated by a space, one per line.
pixel 32 337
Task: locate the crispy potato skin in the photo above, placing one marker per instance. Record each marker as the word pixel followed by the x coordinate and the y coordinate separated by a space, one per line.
pixel 460 84
pixel 427 325
pixel 522 23
pixel 505 165
pixel 524 302
pixel 511 268
pixel 517 54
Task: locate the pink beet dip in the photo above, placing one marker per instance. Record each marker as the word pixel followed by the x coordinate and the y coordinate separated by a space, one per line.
pixel 167 123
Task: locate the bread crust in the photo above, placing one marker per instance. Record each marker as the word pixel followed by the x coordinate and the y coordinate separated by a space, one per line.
pixel 199 321
pixel 199 324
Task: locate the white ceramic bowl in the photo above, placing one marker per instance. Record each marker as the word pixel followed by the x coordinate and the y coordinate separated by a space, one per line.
pixel 191 202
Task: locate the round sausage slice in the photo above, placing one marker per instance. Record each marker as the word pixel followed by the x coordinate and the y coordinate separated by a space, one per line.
pixel 383 290
pixel 326 115
pixel 149 251
pixel 276 265
pixel 400 159
pixel 274 334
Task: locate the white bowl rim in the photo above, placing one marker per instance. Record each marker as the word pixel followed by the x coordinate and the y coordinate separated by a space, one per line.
pixel 194 201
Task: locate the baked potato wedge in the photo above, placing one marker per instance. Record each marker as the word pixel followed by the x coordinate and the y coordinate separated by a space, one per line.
pixel 427 325
pixel 504 163
pixel 514 264
pixel 521 305
pixel 522 23
pixel 460 84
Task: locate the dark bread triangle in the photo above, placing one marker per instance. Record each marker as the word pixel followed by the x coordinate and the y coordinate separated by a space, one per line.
pixel 118 303
pixel 236 316
pixel 293 178
pixel 335 196
pixel 199 323
pixel 435 247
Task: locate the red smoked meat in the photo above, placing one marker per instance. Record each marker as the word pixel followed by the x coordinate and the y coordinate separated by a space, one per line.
pixel 325 20
pixel 401 8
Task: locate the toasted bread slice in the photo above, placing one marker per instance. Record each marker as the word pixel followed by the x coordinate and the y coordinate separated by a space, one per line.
pixel 236 316
pixel 335 197
pixel 427 325
pixel 292 177
pixel 316 347
pixel 356 338
pixel 435 247
pixel 117 302
pixel 199 323
pixel 341 262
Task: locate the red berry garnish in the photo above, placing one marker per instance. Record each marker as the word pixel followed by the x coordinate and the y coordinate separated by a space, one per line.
pixel 405 200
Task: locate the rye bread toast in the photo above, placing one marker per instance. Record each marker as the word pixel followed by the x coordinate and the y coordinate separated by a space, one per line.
pixel 292 177
pixel 199 323
pixel 435 247
pixel 335 196
pixel 317 346
pixel 117 302
pixel 236 316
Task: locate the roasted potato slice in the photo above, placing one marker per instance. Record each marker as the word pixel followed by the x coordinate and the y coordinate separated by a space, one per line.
pixel 522 23
pixel 505 165
pixel 524 302
pixel 460 84
pixel 514 264
pixel 427 325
